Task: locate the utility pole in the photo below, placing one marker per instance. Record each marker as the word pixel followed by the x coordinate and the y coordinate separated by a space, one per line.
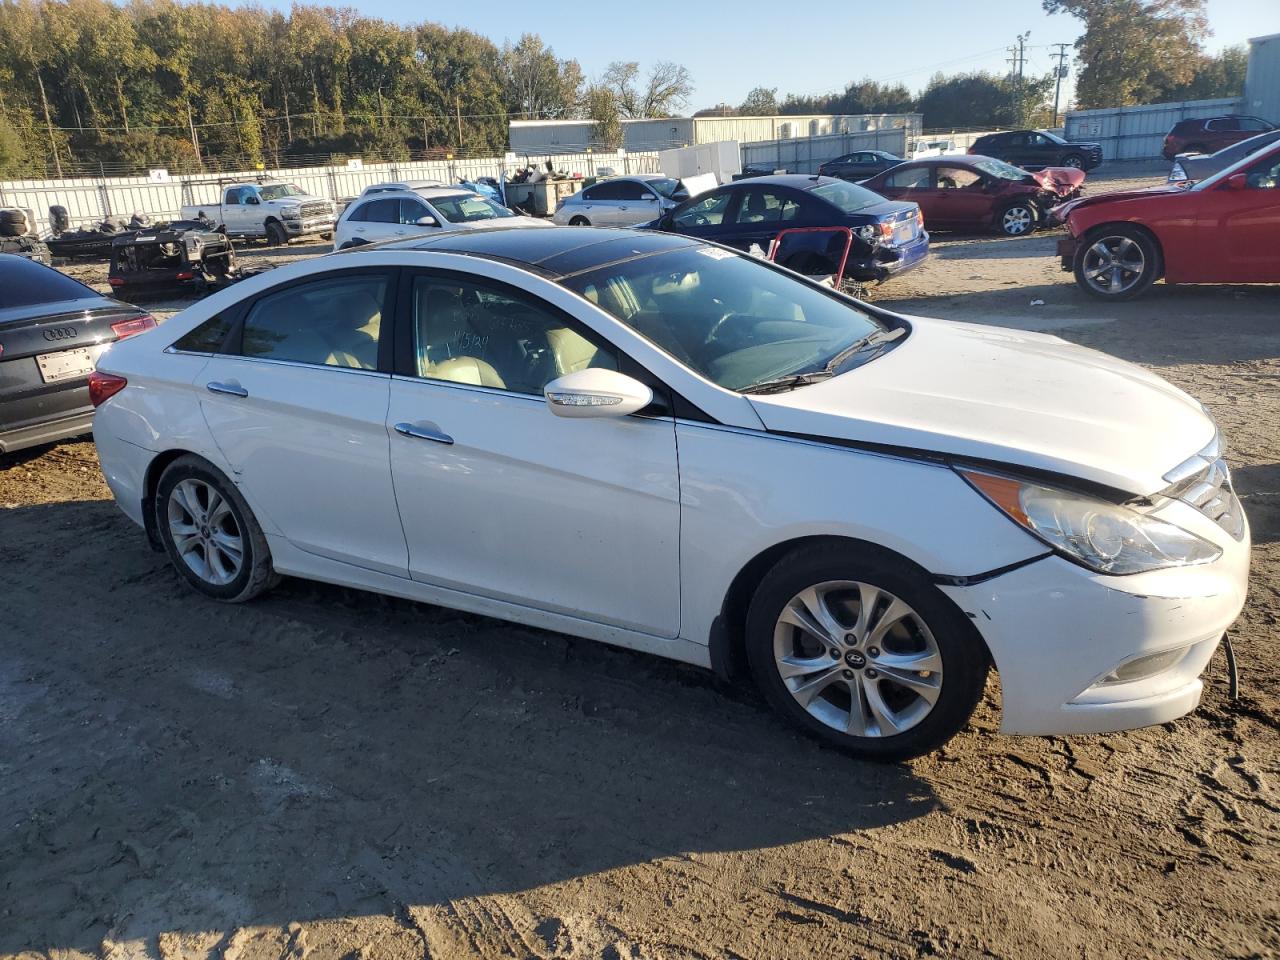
pixel 1017 61
pixel 1060 75
pixel 457 106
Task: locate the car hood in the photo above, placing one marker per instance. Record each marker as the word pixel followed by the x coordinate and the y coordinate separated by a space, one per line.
pixel 1060 180
pixel 1007 396
pixel 1062 211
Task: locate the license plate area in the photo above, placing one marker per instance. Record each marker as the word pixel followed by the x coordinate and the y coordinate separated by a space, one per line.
pixel 903 232
pixel 67 364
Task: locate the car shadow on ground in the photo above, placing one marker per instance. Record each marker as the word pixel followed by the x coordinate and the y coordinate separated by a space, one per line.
pixel 170 763
pixel 1258 486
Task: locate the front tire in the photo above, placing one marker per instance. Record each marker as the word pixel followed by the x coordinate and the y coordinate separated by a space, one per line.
pixel 1117 262
pixel 210 534
pixel 862 651
pixel 276 235
pixel 1073 160
pixel 579 221
pixel 1017 219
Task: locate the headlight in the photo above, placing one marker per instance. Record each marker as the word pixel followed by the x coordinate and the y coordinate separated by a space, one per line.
pixel 1177 174
pixel 1102 536
pixel 291 213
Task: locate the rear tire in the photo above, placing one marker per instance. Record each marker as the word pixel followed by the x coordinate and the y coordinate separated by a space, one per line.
pixel 210 534
pixel 886 652
pixel 579 221
pixel 1117 262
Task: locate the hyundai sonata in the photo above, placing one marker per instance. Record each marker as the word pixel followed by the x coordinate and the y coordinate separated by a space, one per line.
pixel 660 443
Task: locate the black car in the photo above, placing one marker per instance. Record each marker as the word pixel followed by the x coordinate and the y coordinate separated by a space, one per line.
pixel 52 329
pixel 888 236
pixel 859 165
pixel 1037 149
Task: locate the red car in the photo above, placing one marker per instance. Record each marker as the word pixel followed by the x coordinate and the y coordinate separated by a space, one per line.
pixel 1211 134
pixel 978 193
pixel 1225 229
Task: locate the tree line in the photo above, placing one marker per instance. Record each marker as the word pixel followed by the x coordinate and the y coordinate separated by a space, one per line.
pixel 187 85
pixel 193 85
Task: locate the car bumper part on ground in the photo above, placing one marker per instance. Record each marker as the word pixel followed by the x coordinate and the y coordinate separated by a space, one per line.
pixel 1055 630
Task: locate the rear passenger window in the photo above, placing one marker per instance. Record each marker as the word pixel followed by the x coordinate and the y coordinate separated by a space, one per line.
pixel 332 322
pixel 208 337
pixel 465 332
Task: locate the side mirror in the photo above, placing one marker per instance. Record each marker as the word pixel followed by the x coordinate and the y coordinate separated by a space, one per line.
pixel 426 222
pixel 651 198
pixel 1237 181
pixel 596 393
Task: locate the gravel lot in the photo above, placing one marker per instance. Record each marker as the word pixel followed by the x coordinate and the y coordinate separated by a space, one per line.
pixel 327 773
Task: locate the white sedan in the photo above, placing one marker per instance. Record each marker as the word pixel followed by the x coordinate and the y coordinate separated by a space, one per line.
pixel 659 443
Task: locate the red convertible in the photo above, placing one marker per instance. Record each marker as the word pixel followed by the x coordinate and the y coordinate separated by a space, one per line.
pixel 1225 229
pixel 978 193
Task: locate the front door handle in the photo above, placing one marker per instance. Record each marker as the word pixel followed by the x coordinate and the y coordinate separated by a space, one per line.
pixel 231 389
pixel 423 432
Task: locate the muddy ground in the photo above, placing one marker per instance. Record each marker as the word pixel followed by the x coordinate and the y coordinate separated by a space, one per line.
pixel 326 773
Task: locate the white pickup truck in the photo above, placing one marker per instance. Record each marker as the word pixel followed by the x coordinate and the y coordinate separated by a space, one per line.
pixel 278 212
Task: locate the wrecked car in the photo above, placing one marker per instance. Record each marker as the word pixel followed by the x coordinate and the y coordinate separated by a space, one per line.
pixel 884 237
pixel 979 193
pixel 183 255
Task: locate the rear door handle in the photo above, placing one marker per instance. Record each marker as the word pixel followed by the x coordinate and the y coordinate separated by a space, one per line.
pixel 421 431
pixel 231 389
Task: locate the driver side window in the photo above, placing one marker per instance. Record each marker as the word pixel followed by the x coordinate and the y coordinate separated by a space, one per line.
pixel 709 211
pixel 465 332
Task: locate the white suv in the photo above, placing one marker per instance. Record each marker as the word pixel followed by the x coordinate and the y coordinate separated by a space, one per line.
pixel 392 212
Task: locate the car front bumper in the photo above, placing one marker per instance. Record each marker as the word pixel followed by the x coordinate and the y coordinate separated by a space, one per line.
pixel 312 225
pixel 1067 247
pixel 1055 630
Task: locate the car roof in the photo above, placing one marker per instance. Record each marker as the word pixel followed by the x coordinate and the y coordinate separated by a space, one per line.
pixel 796 181
pixel 424 193
pixel 559 251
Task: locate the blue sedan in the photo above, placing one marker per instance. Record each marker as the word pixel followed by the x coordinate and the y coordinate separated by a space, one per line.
pixel 888 236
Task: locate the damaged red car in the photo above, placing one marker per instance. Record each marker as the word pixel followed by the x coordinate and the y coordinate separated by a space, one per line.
pixel 979 193
pixel 1225 229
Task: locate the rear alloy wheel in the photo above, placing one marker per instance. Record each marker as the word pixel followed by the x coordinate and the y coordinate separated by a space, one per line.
pixel 1018 219
pixel 579 221
pixel 1073 160
pixel 210 534
pixel 863 654
pixel 1117 263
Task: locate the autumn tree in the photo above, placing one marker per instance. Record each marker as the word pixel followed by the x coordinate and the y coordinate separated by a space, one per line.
pixel 601 107
pixel 663 92
pixel 760 102
pixel 1134 51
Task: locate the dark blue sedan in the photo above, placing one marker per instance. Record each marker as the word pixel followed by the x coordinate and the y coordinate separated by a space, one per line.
pixel 888 236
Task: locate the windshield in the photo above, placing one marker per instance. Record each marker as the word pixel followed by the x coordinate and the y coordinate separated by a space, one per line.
pixel 731 318
pixel 665 186
pixel 1052 136
pixel 849 197
pixel 998 168
pixel 1210 182
pixel 468 208
pixel 281 191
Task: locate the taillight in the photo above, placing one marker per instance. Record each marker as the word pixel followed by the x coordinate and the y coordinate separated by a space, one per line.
pixel 104 386
pixel 138 324
pixel 919 218
pixel 184 275
pixel 116 281
pixel 886 231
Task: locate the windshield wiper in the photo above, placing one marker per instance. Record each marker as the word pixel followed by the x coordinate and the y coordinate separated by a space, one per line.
pixel 793 380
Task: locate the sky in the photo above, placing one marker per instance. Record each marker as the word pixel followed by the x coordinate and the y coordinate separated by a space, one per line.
pixel 730 46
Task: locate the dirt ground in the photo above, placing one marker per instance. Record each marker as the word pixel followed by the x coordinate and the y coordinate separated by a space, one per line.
pixel 330 774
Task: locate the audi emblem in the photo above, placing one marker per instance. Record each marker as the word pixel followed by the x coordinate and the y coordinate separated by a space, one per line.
pixel 60 333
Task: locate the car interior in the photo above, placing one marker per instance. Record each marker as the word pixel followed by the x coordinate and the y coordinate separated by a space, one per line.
pixel 465 333
pixel 333 323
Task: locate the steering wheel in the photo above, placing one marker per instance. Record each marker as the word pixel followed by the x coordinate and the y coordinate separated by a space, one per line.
pixel 714 333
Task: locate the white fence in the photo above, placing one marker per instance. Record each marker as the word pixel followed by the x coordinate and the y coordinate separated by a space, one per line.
pixel 90 199
pixel 804 154
pixel 1137 133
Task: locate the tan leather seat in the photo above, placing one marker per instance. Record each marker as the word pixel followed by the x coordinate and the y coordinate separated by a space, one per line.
pixel 470 370
pixel 572 352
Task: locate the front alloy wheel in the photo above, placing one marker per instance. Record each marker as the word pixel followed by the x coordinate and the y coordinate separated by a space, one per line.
pixel 859 648
pixel 1017 220
pixel 1117 263
pixel 857 658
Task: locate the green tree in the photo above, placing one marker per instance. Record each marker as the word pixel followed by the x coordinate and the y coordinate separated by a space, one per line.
pixel 1134 51
pixel 602 107
pixel 760 102
pixel 536 84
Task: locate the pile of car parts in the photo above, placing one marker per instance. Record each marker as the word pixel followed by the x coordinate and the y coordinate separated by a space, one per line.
pixel 93 242
pixel 18 235
pixel 179 256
